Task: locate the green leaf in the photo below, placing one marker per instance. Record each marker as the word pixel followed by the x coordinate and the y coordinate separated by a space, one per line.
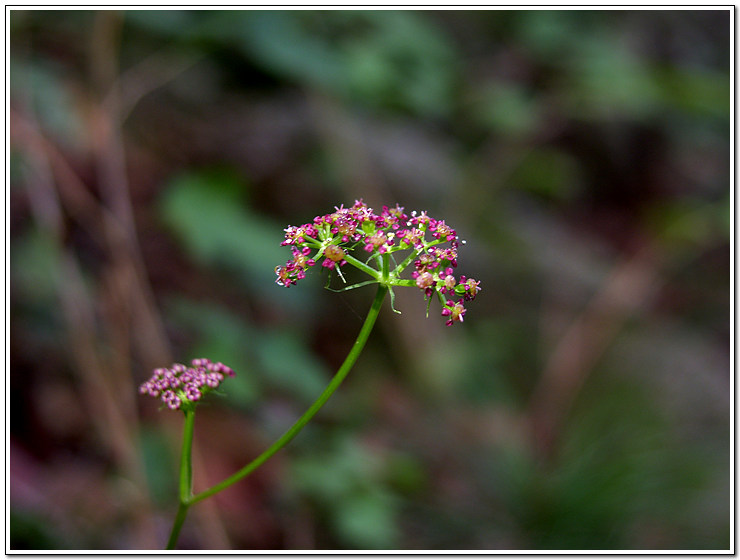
pixel 283 42
pixel 180 24
pixel 290 365
pixel 608 80
pixel 691 221
pixel 508 109
pixel 367 521
pixel 35 262
pixel 222 336
pixel 702 92
pixel 379 58
pixel 344 480
pixel 209 214
pixel 549 173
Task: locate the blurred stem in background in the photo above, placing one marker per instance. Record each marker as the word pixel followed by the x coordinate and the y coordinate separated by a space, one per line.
pixel 102 356
pixel 125 302
pixel 575 354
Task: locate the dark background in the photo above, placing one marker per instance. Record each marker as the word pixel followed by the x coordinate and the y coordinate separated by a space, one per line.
pixel 155 158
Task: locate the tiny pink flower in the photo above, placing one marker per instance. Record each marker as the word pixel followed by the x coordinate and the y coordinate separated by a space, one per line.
pixel 455 312
pixel 375 242
pixel 424 280
pixel 449 283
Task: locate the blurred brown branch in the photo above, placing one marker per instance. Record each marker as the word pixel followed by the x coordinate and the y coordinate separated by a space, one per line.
pixel 124 305
pixel 103 380
pixel 624 292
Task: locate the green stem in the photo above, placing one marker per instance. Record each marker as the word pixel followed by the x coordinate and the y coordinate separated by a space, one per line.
pixel 187 498
pixel 186 477
pixel 344 369
pixel 182 512
pixel 362 266
pixel 406 282
pixel 407 261
pixel 186 463
pixel 413 255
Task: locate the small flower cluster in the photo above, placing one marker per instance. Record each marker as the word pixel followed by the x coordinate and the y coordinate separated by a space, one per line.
pixel 180 385
pixel 331 238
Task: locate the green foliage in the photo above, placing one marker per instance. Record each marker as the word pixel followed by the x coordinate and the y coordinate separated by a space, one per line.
pixel 406 475
pixel 691 222
pixel 365 521
pixel 35 272
pixel 491 363
pixel 611 81
pixel 381 59
pixel 208 213
pixel 285 353
pixel 507 108
pixel 345 481
pixel 224 337
pixel 398 59
pixel 550 174
pixel 619 467
pixel 285 44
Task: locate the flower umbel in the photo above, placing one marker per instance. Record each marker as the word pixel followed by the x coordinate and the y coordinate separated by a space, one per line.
pixel 382 246
pixel 331 240
pixel 181 386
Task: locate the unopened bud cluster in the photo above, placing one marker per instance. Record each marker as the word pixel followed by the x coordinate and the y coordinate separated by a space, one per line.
pixel 179 385
pixel 330 239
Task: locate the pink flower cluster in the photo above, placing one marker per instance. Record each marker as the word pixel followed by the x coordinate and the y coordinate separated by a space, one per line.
pixel 181 385
pixel 331 238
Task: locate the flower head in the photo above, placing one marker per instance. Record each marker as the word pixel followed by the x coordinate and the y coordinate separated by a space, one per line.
pixel 179 385
pixel 431 244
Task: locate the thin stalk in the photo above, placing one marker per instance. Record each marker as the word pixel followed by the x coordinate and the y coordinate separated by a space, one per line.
pixel 186 477
pixel 344 369
pixel 187 498
pixel 362 266
pixel 186 463
pixel 407 282
pixel 407 261
pixel 182 512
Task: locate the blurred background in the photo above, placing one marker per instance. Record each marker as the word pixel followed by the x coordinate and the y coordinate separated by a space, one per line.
pixel 157 156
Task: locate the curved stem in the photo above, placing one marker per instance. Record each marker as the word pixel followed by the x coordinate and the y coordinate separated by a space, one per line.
pixel 344 369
